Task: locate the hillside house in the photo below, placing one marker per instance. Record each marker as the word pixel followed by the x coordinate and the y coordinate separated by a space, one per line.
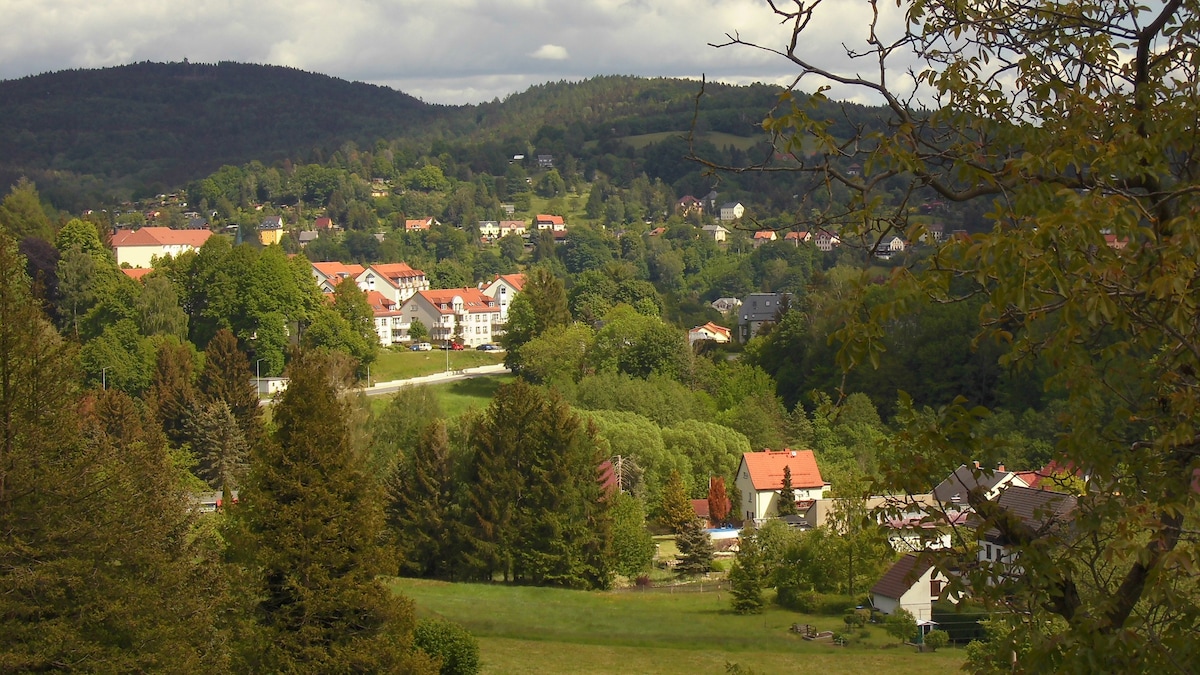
pixel 825 241
pixel 454 314
pixel 716 232
pixel 138 248
pixel 503 289
pixel 545 221
pixel 1046 512
pixel 270 230
pixel 725 305
pixel 488 229
pixel 760 478
pixel 419 224
pixel 758 309
pixel 763 237
pixel 731 211
pixel 330 274
pixel 688 205
pixel 911 583
pixel 797 238
pixel 953 490
pixel 709 331
pixel 516 227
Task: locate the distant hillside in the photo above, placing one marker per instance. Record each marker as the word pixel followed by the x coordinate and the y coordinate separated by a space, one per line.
pixel 150 124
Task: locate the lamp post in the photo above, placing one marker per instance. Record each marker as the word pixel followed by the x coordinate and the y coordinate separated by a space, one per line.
pixel 104 379
pixel 258 377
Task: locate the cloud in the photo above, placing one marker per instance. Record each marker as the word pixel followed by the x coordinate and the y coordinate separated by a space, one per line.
pixel 551 53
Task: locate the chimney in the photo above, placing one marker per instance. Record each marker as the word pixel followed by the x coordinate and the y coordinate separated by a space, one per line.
pixel 793 453
pixel 1000 468
pixel 976 465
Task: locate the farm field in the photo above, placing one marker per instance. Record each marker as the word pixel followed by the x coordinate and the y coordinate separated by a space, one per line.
pixel 541 630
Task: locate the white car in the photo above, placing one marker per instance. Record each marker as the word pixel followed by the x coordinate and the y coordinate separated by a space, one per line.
pixel 421 347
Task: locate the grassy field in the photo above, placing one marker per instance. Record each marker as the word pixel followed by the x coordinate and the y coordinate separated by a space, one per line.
pixel 540 630
pixel 402 365
pixel 458 397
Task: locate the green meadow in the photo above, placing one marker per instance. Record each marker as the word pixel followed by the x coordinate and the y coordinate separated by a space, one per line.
pixel 541 630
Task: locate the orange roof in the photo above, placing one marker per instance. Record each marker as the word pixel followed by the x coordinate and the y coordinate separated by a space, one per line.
pixel 764 234
pixel 160 236
pixel 517 281
pixel 422 224
pixel 381 305
pixel 137 273
pixel 473 299
pixel 714 328
pixel 553 220
pixel 393 272
pixel 766 468
pixel 337 269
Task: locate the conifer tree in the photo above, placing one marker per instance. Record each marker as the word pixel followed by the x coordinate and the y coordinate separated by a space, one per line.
pixel 695 549
pixel 422 505
pixel 313 517
pixel 746 575
pixel 227 377
pixel 676 509
pixel 219 445
pixel 787 496
pixel 172 396
pixel 718 501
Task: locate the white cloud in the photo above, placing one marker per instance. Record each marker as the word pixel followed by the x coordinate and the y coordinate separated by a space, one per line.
pixel 551 53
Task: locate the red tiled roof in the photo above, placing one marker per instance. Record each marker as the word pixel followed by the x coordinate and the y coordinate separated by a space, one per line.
pixel 160 236
pixel 393 272
pixel 422 224
pixel 553 220
pixel 323 223
pixel 381 305
pixel 700 506
pixel 333 270
pixel 764 234
pixel 517 281
pixel 137 273
pixel 714 328
pixel 766 469
pixel 473 300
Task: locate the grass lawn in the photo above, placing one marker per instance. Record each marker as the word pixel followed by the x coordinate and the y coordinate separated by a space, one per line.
pixel 540 630
pixel 457 397
pixel 402 365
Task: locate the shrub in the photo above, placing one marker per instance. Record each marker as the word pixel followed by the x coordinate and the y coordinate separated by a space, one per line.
pixel 854 620
pixel 643 581
pixel 457 648
pixel 936 639
pixel 717 566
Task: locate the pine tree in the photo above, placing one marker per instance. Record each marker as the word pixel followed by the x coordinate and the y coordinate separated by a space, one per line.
pixel 695 549
pixel 676 509
pixel 422 505
pixel 746 575
pixel 172 396
pixel 219 445
pixel 227 377
pixel 313 516
pixel 787 496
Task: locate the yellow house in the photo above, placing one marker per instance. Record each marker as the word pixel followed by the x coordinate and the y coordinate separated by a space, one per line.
pixel 270 231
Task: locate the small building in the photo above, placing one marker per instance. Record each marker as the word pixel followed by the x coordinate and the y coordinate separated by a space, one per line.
pixel 760 478
pixel 545 161
pixel 516 227
pixel 138 248
pixel 825 240
pixel 756 310
pixel 419 224
pixel 798 237
pixel 716 232
pixel 889 246
pixel 306 237
pixel 544 221
pixel 731 211
pixel 688 205
pixel 269 386
pixel 725 305
pixel 763 237
pixel 709 331
pixel 270 230
pixel 488 229
pixel 911 583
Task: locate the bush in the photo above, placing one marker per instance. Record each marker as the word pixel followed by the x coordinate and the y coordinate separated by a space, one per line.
pixel 457 648
pixel 936 639
pixel 643 581
pixel 717 566
pixel 854 620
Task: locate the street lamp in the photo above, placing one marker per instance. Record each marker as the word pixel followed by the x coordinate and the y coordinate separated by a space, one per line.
pixel 104 379
pixel 258 376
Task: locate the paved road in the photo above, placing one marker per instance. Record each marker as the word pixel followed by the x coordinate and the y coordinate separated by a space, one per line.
pixel 379 388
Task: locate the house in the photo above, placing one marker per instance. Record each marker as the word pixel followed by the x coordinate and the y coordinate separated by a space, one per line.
pixel 825 240
pixel 138 248
pixel 725 305
pixel 330 274
pixel 396 281
pixel 503 289
pixel 270 230
pixel 953 490
pixel 549 222
pixel 324 224
pixel 731 211
pixel 758 309
pixel 935 233
pixel 379 188
pixel 796 238
pixel 307 237
pixel 489 229
pixel 545 161
pixel 709 331
pixel 911 583
pixel 508 227
pixel 419 224
pixel 762 237
pixel 716 232
pixel 760 477
pixel 700 508
pixel 1043 511
pixel 137 273
pixel 657 232
pixel 389 320
pixel 888 246
pixel 465 315
pixel 688 205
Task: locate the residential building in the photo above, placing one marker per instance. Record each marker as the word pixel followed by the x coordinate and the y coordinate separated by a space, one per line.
pixel 762 237
pixel 324 223
pixel 516 227
pixel 461 314
pixel 797 238
pixel 396 281
pixel 825 240
pixel 988 482
pixel 716 232
pixel 1043 511
pixel 689 204
pixel 419 224
pixel 138 248
pixel 389 320
pixel 709 331
pixel 545 221
pixel 889 246
pixel 306 237
pixel 330 274
pixel 758 309
pixel 731 211
pixel 489 229
pixel 137 273
pixel 760 478
pixel 911 583
pixel 725 305
pixel 503 289
pixel 545 161
pixel 270 230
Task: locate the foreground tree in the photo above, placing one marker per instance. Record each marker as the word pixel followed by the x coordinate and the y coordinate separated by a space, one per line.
pixel 1070 121
pixel 313 518
pixel 695 549
pixel 746 575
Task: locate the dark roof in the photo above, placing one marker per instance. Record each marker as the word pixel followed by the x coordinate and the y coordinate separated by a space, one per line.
pixel 760 306
pixel 963 480
pixel 1042 510
pixel 901 576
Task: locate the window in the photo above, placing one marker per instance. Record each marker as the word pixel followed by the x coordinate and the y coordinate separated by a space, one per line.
pixel 988 554
pixel 935 587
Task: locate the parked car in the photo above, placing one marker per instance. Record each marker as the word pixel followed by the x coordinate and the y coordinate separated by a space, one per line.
pixel 421 347
pixel 489 347
pixel 451 346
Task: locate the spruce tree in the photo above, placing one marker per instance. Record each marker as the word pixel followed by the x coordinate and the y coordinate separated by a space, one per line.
pixel 173 396
pixel 787 496
pixel 746 575
pixel 227 377
pixel 422 506
pixel 220 447
pixel 676 511
pixel 312 515
pixel 695 549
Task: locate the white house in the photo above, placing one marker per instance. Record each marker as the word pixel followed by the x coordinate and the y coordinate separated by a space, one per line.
pixel 389 320
pixel 489 229
pixel 330 274
pixel 732 211
pixel 516 227
pixel 462 314
pixel 138 248
pixel 709 331
pixel 717 232
pixel 954 489
pixel 550 222
pixel 763 237
pixel 797 238
pixel 912 584
pixel 760 478
pixel 888 247
pixel 396 281
pixel 825 241
pixel 503 289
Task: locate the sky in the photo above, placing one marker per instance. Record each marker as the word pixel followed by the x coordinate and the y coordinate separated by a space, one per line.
pixel 441 51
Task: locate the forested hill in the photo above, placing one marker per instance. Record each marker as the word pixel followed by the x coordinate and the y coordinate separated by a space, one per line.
pixel 166 123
